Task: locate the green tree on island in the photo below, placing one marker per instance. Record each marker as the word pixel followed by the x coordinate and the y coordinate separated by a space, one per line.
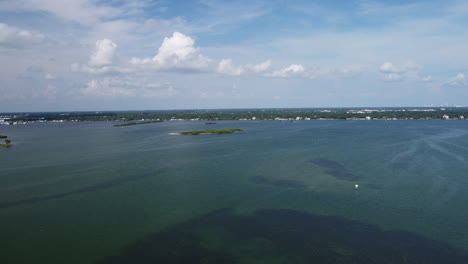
pixel 7 143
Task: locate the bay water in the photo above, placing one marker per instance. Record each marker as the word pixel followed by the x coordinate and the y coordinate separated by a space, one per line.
pixel 277 192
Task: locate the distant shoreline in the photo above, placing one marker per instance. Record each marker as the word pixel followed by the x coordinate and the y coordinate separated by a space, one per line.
pixel 213 116
pixel 138 123
pixel 278 119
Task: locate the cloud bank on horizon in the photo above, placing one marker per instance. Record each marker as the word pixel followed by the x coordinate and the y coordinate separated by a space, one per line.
pixel 143 54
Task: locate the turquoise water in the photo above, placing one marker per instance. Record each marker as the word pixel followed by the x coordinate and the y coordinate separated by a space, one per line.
pixel 278 192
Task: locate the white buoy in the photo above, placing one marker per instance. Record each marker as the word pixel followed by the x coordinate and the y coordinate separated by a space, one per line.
pixel 356 186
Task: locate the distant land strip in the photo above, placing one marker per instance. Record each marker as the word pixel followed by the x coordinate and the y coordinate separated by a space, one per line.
pixel 218 131
pixel 138 123
pixel 377 113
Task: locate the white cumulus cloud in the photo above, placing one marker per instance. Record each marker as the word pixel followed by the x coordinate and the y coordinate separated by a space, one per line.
pixel 457 80
pixel 13 37
pixel 104 53
pixel 176 52
pixel 102 60
pixel 261 67
pixel 389 68
pixel 293 69
pixel 226 66
pixel 393 73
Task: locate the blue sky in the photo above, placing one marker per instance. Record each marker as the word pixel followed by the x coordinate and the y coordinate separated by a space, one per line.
pixel 141 54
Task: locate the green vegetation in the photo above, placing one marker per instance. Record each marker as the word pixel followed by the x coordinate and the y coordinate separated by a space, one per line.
pixel 7 144
pixel 137 123
pixel 210 123
pixel 3 136
pixel 247 114
pixel 219 131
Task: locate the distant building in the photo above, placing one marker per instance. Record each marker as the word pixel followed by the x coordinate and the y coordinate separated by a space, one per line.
pixel 462 117
pixel 368 118
pixel 254 118
pixel 445 117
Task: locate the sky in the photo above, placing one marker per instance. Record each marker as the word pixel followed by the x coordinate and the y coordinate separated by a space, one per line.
pixel 80 55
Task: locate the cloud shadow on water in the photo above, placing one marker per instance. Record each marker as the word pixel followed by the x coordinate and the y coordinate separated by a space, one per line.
pixel 92 188
pixel 335 169
pixel 282 236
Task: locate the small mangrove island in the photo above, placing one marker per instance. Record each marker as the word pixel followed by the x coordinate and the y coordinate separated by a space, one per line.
pixel 138 123
pixel 7 142
pixel 210 123
pixel 219 131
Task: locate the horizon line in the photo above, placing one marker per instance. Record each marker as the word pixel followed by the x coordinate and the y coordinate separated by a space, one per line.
pixel 247 108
